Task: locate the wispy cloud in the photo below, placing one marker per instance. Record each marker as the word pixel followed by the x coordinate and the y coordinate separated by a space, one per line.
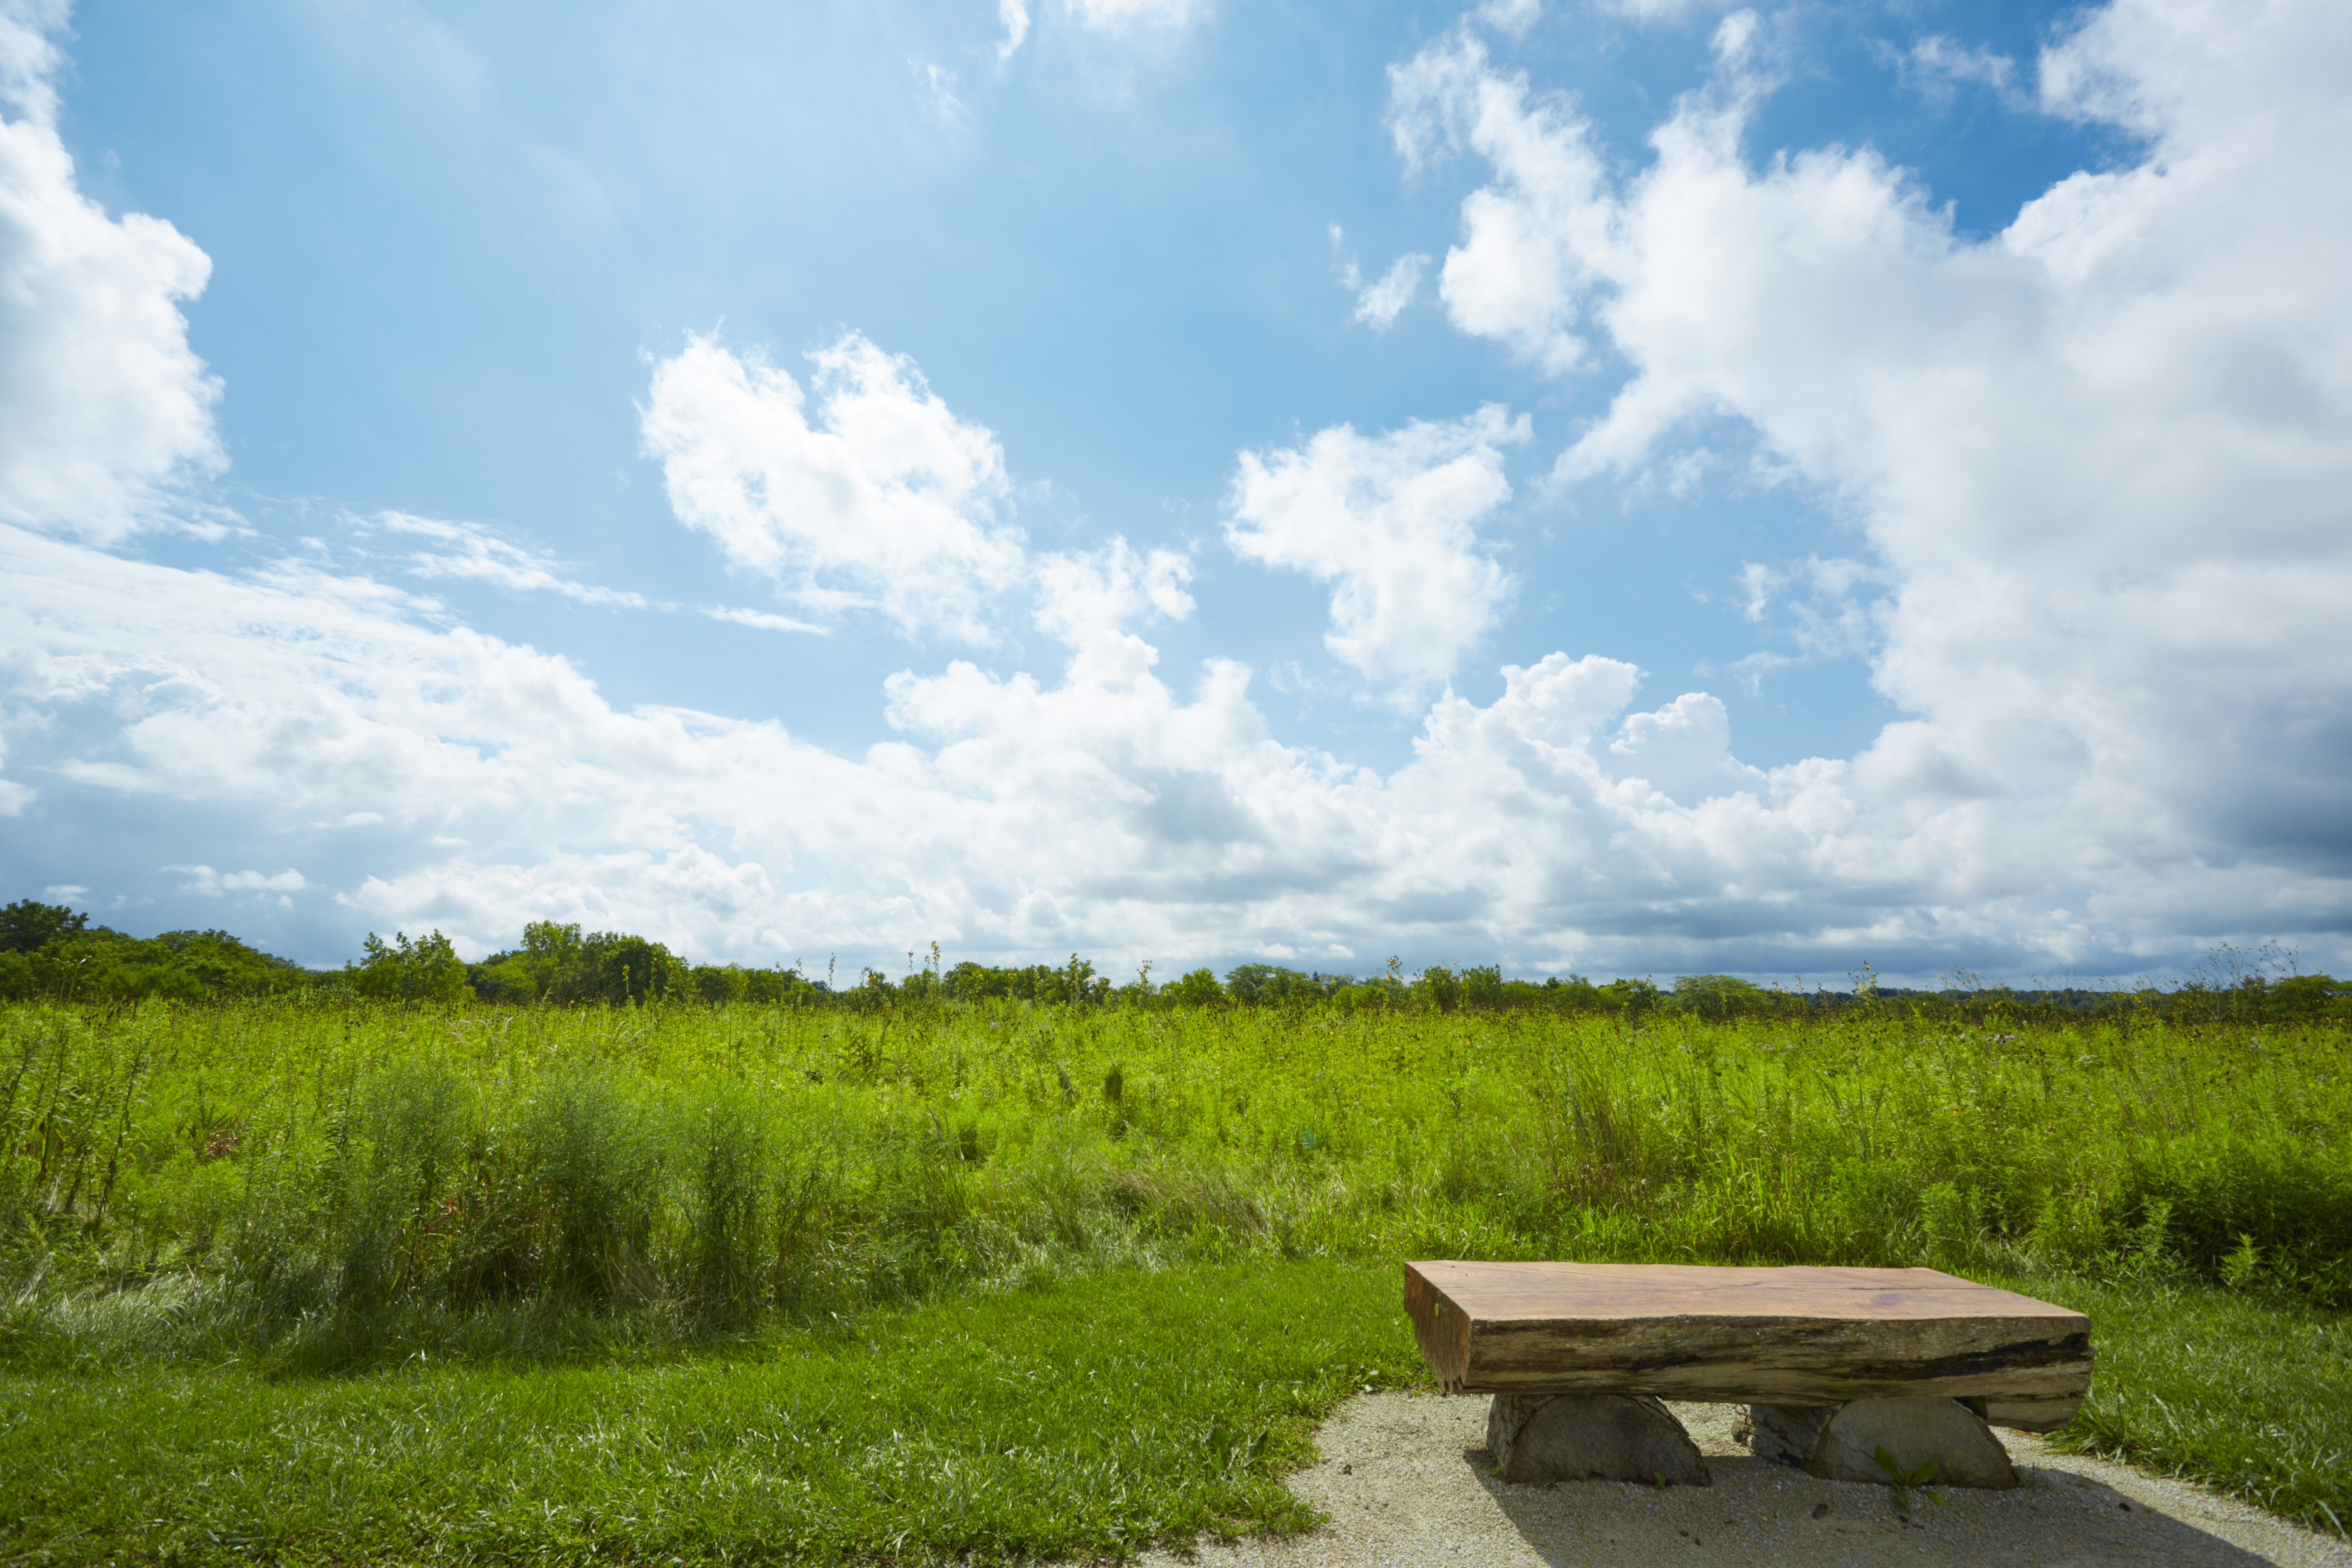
pixel 763 620
pixel 939 86
pixel 1380 302
pixel 212 884
pixel 473 554
pixel 1136 13
pixel 1937 65
pixel 1014 15
pixel 1511 18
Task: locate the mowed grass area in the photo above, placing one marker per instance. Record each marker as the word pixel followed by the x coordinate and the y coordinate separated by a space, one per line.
pixel 2253 1396
pixel 1085 1419
pixel 1001 1282
pixel 1081 1420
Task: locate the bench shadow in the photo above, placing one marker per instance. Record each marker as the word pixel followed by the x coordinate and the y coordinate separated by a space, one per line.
pixel 2055 1519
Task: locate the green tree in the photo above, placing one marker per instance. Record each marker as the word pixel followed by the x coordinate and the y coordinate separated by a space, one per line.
pixel 720 984
pixel 1439 987
pixel 1631 997
pixel 1198 989
pixel 28 927
pixel 617 968
pixel 1485 987
pixel 551 956
pixel 1266 986
pixel 425 970
pixel 1719 996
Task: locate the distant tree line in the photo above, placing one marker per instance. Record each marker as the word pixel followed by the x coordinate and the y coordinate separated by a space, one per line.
pixel 49 951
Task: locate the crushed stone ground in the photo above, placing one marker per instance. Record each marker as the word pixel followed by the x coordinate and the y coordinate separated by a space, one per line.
pixel 1407 1479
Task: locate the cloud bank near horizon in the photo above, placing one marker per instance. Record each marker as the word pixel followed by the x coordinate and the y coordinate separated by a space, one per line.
pixel 2099 461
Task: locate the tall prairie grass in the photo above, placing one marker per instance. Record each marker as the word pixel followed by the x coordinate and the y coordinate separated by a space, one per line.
pixel 344 1180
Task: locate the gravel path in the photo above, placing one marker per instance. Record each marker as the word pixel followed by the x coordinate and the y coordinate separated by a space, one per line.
pixel 1406 1480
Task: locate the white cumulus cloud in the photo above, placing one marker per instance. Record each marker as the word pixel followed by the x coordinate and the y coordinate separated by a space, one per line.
pixel 1390 521
pixel 1683 751
pixel 482 784
pixel 2101 457
pixel 1085 597
pixel 863 492
pixel 1526 262
pixel 104 409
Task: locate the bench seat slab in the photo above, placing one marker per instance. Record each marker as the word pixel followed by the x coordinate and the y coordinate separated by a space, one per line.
pixel 1792 1336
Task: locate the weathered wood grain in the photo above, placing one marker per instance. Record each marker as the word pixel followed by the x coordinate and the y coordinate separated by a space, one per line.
pixel 1795 1336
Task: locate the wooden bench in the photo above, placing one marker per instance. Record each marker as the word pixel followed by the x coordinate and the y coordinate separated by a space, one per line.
pixel 1834 1364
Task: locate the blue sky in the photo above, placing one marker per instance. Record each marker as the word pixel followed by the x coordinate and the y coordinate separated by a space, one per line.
pixel 362 575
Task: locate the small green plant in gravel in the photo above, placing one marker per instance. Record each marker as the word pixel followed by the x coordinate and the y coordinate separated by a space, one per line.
pixel 1903 1482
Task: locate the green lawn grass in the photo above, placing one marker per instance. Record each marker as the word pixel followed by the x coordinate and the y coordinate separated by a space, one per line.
pixel 2248 1394
pixel 1089 1418
pixel 1083 1420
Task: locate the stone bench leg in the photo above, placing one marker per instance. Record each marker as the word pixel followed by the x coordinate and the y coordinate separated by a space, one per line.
pixel 1597 1437
pixel 1841 1442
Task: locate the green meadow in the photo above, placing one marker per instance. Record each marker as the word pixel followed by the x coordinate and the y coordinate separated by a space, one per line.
pixel 928 1278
